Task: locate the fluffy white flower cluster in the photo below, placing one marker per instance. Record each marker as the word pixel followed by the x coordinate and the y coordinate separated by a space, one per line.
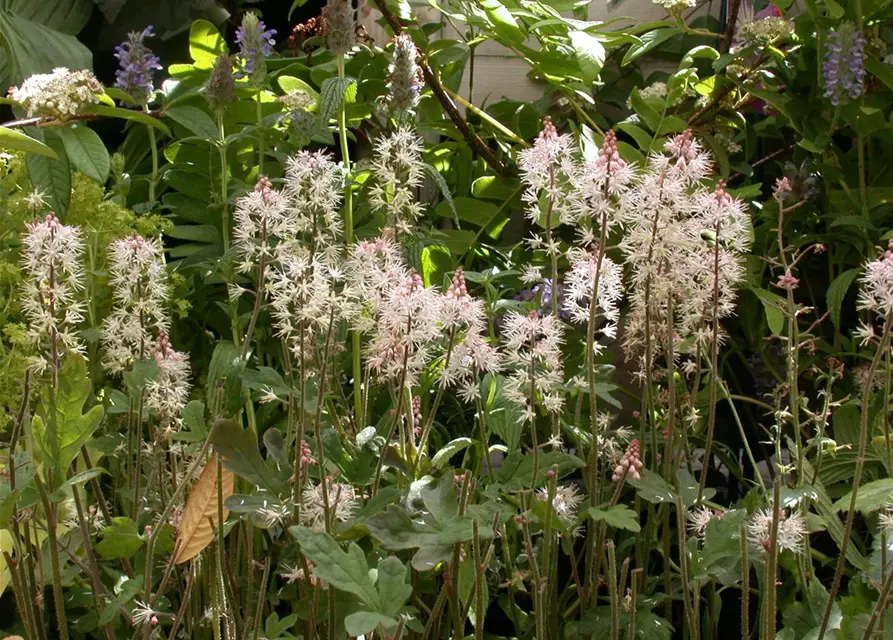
pixel 51 258
pixel 59 94
pixel 397 172
pixel 168 392
pixel 259 222
pixel 471 354
pixel 876 293
pixel 340 498
pixel 790 531
pixel 550 171
pixel 684 248
pixel 140 294
pixel 578 291
pixel 532 350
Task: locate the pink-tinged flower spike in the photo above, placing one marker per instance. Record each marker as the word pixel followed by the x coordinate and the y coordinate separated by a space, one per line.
pixel 550 172
pixel 374 269
pixel 471 355
pixel 260 224
pixel 167 394
pixel 314 190
pixel 532 350
pixel 691 162
pixel 51 258
pixel 397 172
pixel 602 182
pixel 409 326
pixel 876 292
pixel 140 293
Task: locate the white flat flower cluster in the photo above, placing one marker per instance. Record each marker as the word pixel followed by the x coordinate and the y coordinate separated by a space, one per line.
pixel 59 94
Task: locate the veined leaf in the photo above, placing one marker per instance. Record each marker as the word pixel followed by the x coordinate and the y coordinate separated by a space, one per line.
pixel 346 571
pixel 86 152
pixel 837 291
pixel 200 515
pixel 619 516
pixel 18 141
pixel 205 44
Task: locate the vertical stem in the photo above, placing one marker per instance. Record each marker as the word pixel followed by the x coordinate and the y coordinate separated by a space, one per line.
pixel 745 586
pixel 857 476
pixel 714 368
pixel 153 180
pixel 356 343
pixel 58 594
pixel 479 583
pixel 769 605
pixel 260 133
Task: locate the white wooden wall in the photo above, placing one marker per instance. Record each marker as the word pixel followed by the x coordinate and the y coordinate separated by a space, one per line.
pixel 498 72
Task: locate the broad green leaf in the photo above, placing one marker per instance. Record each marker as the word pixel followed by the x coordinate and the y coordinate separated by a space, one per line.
pixel 443 455
pixel 502 21
pixel 650 40
pixel 645 111
pixel 51 176
pixel 61 440
pixel 346 571
pixel 688 488
pixel 224 378
pixel 240 452
pixel 362 623
pixel 194 119
pixel 837 291
pixel 619 516
pixel 440 500
pixel 773 305
pixel 652 488
pixel 119 540
pixel 205 44
pixel 477 212
pixel 30 47
pixel 880 69
pixel 517 469
pixel 129 114
pixel 870 497
pixel 129 590
pixel 290 83
pixel 17 141
pixel 590 54
pixel 86 152
pixel 434 174
pixel 393 589
pixel 395 530
pixel 332 94
pixel 67 16
pixel 435 261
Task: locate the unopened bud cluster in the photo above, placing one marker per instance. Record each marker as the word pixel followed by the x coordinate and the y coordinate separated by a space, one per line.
pixel 629 465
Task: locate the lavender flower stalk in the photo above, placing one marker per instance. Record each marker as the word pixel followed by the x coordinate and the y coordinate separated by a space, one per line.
pixel 138 65
pixel 255 45
pixel 844 65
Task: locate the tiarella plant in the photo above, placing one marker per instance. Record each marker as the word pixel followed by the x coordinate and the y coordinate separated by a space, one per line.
pixel 332 345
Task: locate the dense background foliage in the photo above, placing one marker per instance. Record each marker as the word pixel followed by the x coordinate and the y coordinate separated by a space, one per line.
pixel 319 343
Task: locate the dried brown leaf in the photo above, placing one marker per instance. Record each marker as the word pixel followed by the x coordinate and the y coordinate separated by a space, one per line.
pixel 200 514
